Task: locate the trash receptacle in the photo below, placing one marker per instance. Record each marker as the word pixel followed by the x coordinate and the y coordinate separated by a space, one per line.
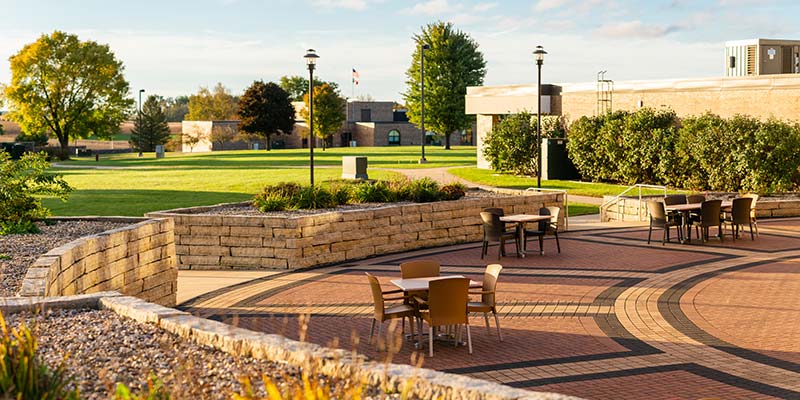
pixel 354 167
pixel 353 143
pixel 160 151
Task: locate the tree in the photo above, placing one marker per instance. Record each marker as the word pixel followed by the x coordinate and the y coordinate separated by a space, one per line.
pixel 297 86
pixel 176 108
pixel 511 145
pixel 69 87
pixel 266 109
pixel 191 140
pixel 216 106
pixel 150 129
pixel 329 112
pixel 452 63
pixel 222 134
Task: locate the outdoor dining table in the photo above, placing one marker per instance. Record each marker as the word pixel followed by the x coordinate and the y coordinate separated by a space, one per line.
pixel 685 209
pixel 521 220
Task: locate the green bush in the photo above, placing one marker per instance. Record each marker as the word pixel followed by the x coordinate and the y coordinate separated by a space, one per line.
pixel 452 191
pixel 312 197
pixel 372 192
pixel 400 189
pixel 267 202
pixel 342 193
pixel 424 190
pixel 511 145
pixel 155 391
pixel 22 373
pixel 39 139
pixel 22 182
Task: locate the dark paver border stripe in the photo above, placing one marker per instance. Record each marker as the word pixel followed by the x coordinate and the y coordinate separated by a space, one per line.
pixel 670 308
pixel 538 363
pixel 692 368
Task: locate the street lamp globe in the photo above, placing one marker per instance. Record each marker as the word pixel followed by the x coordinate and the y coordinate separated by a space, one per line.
pixel 311 58
pixel 539 54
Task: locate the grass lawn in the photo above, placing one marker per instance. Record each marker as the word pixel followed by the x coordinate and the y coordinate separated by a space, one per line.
pixel 133 192
pixel 576 209
pixel 378 157
pixel 593 189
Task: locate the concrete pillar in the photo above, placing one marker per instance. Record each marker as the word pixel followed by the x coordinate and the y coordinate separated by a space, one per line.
pixel 485 123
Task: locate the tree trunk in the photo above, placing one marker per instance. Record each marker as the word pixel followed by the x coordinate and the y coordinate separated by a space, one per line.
pixel 269 143
pixel 447 141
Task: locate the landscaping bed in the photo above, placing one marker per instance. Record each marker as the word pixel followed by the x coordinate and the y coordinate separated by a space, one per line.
pixel 103 349
pixel 20 251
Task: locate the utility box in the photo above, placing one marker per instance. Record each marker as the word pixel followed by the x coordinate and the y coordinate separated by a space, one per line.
pixel 555 161
pixel 160 151
pixel 354 167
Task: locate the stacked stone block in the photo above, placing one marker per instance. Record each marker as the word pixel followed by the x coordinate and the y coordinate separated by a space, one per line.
pixel 137 260
pixel 281 242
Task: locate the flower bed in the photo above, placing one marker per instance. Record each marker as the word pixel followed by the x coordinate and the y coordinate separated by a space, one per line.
pixel 205 240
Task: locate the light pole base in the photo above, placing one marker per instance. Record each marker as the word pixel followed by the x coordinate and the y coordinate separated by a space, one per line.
pixel 423 161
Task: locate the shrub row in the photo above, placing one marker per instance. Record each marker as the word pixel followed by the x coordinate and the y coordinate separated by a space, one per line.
pixel 704 152
pixel 292 196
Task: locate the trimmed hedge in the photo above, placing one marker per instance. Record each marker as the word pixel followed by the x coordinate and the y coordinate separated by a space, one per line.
pixel 704 152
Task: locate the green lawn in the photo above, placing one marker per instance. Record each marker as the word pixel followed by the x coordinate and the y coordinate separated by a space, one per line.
pixel 133 192
pixel 492 178
pixel 576 209
pixel 378 157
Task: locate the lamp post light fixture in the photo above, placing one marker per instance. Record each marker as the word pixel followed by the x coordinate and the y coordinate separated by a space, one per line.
pixel 311 60
pixel 140 102
pixel 539 54
pixel 423 47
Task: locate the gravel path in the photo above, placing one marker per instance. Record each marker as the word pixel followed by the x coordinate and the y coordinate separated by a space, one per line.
pixel 103 349
pixel 20 251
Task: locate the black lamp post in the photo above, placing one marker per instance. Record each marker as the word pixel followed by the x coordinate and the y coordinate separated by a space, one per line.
pixel 539 54
pixel 311 60
pixel 424 47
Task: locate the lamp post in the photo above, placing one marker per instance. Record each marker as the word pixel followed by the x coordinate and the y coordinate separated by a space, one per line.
pixel 311 60
pixel 539 54
pixel 140 102
pixel 423 47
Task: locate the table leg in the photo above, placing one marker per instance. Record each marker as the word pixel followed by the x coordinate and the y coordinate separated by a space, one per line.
pixel 521 239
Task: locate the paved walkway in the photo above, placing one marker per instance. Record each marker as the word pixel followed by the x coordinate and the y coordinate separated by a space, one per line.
pixel 611 317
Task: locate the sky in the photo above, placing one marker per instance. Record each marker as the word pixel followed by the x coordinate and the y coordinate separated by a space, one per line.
pixel 173 47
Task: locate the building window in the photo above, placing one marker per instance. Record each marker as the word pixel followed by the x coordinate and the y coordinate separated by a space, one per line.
pixel 366 115
pixel 394 137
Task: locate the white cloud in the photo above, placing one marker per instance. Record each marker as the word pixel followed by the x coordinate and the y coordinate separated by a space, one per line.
pixel 483 7
pixel 358 5
pixel 465 19
pixel 544 5
pixel 432 7
pixel 635 29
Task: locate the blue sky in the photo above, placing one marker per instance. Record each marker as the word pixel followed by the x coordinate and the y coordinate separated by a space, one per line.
pixel 173 47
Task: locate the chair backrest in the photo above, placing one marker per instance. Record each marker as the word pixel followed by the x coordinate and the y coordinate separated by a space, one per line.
pixel 673 199
pixel 753 204
pixel 709 212
pixel 495 210
pixel 490 283
pixel 695 198
pixel 492 226
pixel 740 211
pixel 543 225
pixel 447 300
pixel 419 269
pixel 554 220
pixel 657 212
pixel 377 295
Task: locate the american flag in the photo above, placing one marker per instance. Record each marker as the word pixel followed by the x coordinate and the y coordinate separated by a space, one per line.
pixel 355 76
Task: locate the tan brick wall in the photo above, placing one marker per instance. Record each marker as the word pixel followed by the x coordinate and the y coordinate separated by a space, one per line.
pixel 270 242
pixel 137 260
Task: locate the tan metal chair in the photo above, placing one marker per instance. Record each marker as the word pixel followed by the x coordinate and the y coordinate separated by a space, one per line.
pixel 447 305
pixel 494 230
pixel 383 313
pixel 709 216
pixel 753 209
pixel 740 215
pixel 419 269
pixel 660 219
pixel 488 302
pixel 545 228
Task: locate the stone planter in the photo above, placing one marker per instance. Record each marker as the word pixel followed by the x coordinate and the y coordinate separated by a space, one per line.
pixel 288 242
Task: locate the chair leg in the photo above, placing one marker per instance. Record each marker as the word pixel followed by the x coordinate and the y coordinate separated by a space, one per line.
pixel 755 224
pixel 469 339
pixel 497 324
pixel 483 249
pixel 650 233
pixel 721 233
pixel 403 325
pixel 541 244
pixel 430 341
pixel 457 336
pixel 558 245
pixel 380 330
pixel 486 318
pixel 751 232
pixel 501 250
pixel 411 322
pixel 371 331
pixel 664 236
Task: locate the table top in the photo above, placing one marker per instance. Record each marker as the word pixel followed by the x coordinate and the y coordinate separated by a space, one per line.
pixel 525 218
pixel 694 206
pixel 414 284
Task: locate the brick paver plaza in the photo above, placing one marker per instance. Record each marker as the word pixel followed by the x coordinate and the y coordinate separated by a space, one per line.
pixel 611 317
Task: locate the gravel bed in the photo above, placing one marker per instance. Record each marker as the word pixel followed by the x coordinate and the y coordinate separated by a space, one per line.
pixel 103 349
pixel 20 251
pixel 246 209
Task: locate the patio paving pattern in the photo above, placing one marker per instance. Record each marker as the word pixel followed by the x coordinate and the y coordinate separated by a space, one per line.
pixel 611 317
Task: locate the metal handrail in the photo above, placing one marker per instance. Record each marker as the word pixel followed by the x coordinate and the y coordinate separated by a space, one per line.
pixel 566 203
pixel 639 186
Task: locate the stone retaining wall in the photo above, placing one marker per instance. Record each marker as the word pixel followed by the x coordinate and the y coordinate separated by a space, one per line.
pixel 628 208
pixel 269 242
pixel 137 260
pixel 426 383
